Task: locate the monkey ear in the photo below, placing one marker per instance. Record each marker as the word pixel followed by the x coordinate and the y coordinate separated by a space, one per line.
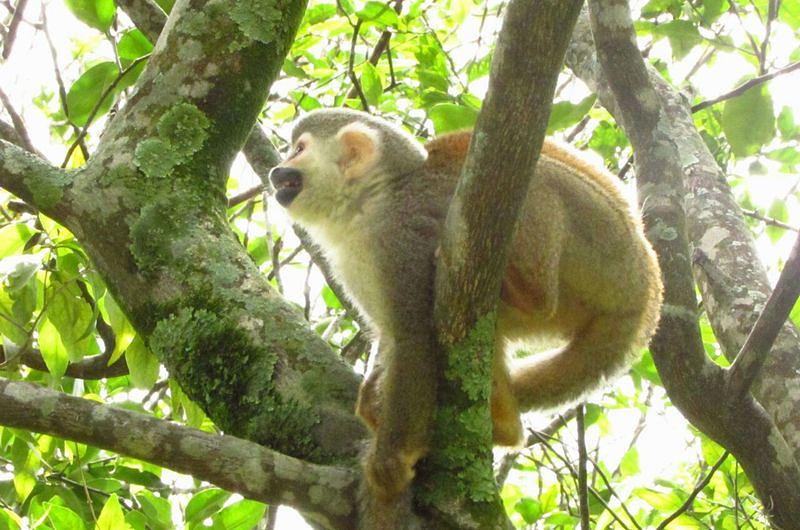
pixel 360 149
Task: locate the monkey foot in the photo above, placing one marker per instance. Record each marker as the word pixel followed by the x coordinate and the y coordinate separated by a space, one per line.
pixel 388 476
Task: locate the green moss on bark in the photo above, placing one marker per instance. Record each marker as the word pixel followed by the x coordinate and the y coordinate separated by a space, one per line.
pixel 463 423
pixel 206 350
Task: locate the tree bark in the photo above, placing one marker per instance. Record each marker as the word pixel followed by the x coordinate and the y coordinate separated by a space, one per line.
pixel 457 477
pixel 739 424
pixel 728 271
pixel 325 494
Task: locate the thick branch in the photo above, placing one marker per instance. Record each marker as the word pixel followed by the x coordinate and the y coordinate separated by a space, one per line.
pixel 506 143
pixel 505 147
pixel 735 286
pixel 229 462
pixel 742 427
pixel 33 180
pixel 152 219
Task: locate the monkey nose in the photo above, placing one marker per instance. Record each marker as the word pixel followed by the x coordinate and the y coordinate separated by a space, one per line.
pixel 288 182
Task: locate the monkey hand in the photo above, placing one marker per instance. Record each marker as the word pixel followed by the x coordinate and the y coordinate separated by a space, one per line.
pixel 389 472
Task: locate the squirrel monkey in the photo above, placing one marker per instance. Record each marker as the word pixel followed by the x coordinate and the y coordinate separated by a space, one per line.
pixel 579 268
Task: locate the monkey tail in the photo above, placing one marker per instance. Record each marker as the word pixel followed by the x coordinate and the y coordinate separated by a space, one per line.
pixel 603 348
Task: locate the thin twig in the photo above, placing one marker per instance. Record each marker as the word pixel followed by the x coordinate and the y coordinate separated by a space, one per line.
pixel 583 491
pixel 62 91
pixel 762 53
pixel 381 46
pixel 110 88
pixel 19 124
pixel 351 72
pixel 702 484
pixel 769 220
pixel 245 195
pixel 747 85
pixel 276 263
pixel 548 431
pixel 613 492
pixel 13 26
pixel 285 261
pixel 307 292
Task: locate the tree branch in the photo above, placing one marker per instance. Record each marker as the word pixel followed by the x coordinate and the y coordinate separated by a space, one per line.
pixel 747 85
pixel 759 342
pixel 13 26
pixel 324 494
pixel 145 15
pixel 732 299
pixel 33 180
pixel 689 377
pixel 481 218
pixel 19 125
pixel 93 367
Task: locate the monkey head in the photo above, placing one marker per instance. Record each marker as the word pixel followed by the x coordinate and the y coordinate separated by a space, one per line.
pixel 337 159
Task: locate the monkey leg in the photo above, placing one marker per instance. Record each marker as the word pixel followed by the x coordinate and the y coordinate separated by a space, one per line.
pixel 369 403
pixel 506 426
pixel 597 352
pixel 407 402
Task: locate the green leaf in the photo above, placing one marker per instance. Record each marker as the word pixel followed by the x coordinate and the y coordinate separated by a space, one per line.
pixel 560 519
pixel 330 298
pixel 712 9
pixel 565 114
pixel 143 365
pixel 779 212
pixel 123 330
pixel 449 117
pixel 663 501
pixel 86 91
pixel 629 465
pixel 242 515
pixel 711 450
pixel 13 238
pixel 371 84
pixel 529 509
pixel 788 156
pixel 682 36
pixel 111 518
pixel 74 320
pixel 654 8
pixel 132 45
pixel 319 13
pixel 378 12
pixel 24 481
pixel 9 520
pixel 156 509
pixel 204 504
pixel 166 5
pixel 98 14
pixel 786 124
pixel 53 350
pixel 748 121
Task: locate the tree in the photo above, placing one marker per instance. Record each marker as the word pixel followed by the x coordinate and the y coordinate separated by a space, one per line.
pixel 129 260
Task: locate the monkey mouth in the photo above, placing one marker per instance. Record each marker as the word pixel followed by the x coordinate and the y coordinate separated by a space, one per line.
pixel 288 183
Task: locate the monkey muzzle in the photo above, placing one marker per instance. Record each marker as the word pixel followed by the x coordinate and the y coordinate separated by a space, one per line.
pixel 288 182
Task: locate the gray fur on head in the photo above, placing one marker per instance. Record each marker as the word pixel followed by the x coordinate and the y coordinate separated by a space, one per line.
pixel 401 152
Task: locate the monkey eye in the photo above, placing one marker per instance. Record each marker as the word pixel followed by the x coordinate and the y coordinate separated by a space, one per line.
pixel 298 149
